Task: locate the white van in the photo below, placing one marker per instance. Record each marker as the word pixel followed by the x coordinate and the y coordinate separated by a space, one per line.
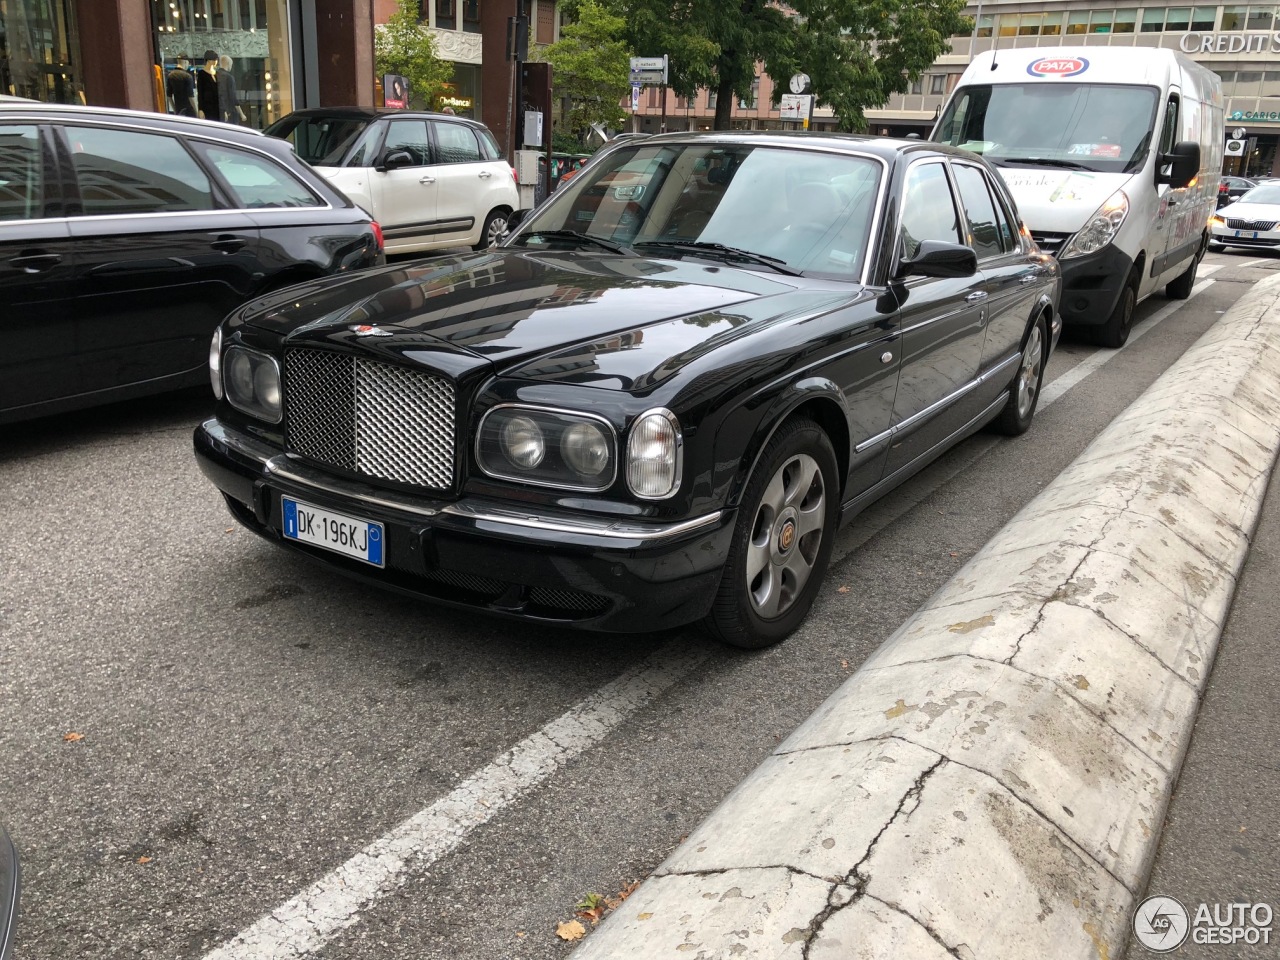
pixel 1113 155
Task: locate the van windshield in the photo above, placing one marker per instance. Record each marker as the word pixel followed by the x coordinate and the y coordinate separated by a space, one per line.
pixel 1105 128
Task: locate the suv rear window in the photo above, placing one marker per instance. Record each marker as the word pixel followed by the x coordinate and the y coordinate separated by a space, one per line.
pixel 321 141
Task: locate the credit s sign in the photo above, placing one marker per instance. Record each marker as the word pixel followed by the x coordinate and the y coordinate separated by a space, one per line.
pixel 1058 66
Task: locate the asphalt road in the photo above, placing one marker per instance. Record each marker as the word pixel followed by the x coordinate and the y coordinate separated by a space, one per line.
pixel 248 723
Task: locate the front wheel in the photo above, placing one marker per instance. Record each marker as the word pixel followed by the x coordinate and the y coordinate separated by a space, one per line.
pixel 1180 287
pixel 782 541
pixel 1024 392
pixel 1115 332
pixel 494 230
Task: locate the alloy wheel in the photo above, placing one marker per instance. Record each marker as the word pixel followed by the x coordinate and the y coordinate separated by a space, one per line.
pixel 786 536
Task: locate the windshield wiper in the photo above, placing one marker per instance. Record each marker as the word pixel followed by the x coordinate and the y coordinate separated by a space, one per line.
pixel 1044 162
pixel 580 237
pixel 703 246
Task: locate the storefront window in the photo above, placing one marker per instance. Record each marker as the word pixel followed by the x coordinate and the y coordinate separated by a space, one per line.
pixel 256 87
pixel 40 51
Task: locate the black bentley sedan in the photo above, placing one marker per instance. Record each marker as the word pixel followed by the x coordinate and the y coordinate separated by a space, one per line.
pixel 658 399
pixel 126 238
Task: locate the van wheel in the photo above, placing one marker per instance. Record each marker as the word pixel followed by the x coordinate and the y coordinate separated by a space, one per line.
pixel 781 542
pixel 1180 288
pixel 1115 332
pixel 1016 416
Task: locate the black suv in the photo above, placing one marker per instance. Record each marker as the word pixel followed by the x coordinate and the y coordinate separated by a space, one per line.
pixel 126 237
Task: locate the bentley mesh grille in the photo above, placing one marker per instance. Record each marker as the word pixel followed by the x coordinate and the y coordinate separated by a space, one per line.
pixel 1251 224
pixel 378 419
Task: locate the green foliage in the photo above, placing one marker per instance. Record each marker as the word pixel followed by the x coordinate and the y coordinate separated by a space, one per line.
pixel 857 52
pixel 405 46
pixel 591 67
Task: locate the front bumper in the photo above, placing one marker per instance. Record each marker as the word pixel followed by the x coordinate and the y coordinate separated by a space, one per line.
pixel 1244 238
pixel 532 564
pixel 1091 286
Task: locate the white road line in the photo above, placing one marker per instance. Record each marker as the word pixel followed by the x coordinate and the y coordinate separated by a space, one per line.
pixel 321 912
pixel 880 515
pixel 1062 384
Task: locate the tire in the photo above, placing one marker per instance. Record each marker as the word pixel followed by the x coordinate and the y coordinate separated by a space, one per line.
pixel 493 231
pixel 1180 287
pixel 1115 332
pixel 1217 247
pixel 793 495
pixel 1024 391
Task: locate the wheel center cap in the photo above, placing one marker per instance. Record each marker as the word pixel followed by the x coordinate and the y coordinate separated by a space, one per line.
pixel 786 536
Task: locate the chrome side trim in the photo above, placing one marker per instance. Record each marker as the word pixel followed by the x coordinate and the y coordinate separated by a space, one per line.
pixel 937 405
pixel 613 529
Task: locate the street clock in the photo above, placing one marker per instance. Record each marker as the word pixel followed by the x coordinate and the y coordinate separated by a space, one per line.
pixel 800 83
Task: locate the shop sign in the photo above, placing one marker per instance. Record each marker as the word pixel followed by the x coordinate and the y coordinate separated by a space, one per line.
pixel 1255 116
pixel 1229 43
pixel 461 104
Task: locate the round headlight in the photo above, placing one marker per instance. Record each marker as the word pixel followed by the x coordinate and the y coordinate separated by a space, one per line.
pixel 586 449
pixel 215 363
pixel 266 386
pixel 240 374
pixel 653 455
pixel 522 442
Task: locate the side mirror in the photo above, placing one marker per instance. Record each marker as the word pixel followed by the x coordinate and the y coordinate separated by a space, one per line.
pixel 516 218
pixel 395 160
pixel 938 259
pixel 1184 159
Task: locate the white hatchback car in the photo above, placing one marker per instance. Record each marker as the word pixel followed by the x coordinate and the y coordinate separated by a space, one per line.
pixel 431 180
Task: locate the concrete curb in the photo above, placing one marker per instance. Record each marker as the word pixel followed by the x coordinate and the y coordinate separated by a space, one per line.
pixel 992 782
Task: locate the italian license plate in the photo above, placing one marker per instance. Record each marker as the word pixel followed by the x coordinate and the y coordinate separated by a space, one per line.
pixel 349 536
pixel 1251 234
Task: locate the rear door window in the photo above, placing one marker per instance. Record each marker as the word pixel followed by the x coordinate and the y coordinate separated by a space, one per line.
pixel 21 174
pixel 987 231
pixel 409 136
pixel 455 143
pixel 257 182
pixel 124 171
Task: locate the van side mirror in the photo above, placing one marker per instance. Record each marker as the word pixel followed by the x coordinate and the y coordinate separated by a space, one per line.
pixel 395 160
pixel 938 259
pixel 1184 160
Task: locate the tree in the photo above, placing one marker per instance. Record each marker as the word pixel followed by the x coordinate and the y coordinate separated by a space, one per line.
pixel 405 47
pixel 591 66
pixel 857 52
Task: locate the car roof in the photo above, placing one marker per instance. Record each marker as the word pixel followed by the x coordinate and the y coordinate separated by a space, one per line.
pixel 373 113
pixel 887 148
pixel 141 117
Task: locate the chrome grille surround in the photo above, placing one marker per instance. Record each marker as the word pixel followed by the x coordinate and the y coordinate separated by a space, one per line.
pixel 1259 225
pixel 378 419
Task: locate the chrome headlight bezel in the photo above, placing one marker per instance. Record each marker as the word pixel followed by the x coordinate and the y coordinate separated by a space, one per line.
pixel 667 421
pixel 552 468
pixel 1100 229
pixel 215 363
pixel 253 403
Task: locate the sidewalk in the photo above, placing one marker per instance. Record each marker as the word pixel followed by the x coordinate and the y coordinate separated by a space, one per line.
pixel 1221 842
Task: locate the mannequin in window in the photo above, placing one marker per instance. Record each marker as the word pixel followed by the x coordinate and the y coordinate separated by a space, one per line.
pixel 207 87
pixel 228 100
pixel 181 88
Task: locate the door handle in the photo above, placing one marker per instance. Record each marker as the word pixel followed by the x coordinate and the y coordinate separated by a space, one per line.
pixel 35 262
pixel 485 174
pixel 976 297
pixel 229 244
pixel 427 180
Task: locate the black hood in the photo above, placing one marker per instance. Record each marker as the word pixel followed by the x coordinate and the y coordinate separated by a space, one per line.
pixel 505 307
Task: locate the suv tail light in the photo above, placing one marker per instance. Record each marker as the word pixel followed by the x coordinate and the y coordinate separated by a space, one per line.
pixel 377 235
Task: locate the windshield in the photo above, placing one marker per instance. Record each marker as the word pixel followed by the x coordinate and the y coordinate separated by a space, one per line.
pixel 797 209
pixel 1101 127
pixel 1266 193
pixel 321 141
